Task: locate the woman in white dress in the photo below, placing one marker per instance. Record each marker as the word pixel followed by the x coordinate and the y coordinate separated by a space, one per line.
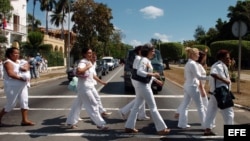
pixel 15 86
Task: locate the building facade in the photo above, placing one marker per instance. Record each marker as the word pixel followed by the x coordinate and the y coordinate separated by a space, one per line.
pixel 15 29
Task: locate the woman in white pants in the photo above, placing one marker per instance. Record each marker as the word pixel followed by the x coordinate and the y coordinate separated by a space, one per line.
pixel 218 72
pixel 201 62
pixel 144 92
pixel 191 89
pixel 15 87
pixel 102 110
pixel 124 111
pixel 86 92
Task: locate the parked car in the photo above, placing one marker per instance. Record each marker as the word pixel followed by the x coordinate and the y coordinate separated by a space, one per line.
pixel 99 68
pixel 116 62
pixel 70 72
pixel 105 67
pixel 110 61
pixel 157 64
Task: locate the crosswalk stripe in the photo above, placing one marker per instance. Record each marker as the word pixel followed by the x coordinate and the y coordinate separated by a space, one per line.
pixel 102 96
pixel 106 135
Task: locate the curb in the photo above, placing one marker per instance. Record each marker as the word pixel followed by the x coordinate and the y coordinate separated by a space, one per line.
pixel 41 81
pixel 46 80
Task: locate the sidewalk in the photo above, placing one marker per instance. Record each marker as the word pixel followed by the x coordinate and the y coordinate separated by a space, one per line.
pixel 243 76
pixel 53 73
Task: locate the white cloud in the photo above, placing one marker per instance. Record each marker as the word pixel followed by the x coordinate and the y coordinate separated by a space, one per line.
pixel 151 12
pixel 135 43
pixel 162 37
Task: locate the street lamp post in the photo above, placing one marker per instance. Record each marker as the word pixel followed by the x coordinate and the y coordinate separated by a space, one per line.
pixel 68 46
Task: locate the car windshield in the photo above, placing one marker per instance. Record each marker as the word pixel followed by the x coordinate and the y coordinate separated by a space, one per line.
pixel 157 58
pixel 157 67
pixel 98 62
pixel 156 62
pixel 108 60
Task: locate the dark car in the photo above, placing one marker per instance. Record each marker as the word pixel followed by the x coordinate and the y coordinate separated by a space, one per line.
pixel 157 64
pixel 70 73
pixel 105 66
pixel 99 68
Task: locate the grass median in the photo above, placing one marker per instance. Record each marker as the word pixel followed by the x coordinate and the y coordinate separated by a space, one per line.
pixel 242 98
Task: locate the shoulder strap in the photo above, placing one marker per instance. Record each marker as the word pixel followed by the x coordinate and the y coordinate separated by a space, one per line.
pixel 225 75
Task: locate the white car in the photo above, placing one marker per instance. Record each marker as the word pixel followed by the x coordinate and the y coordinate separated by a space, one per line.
pixel 110 61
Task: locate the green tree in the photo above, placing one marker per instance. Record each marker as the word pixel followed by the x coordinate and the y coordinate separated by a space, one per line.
pixel 33 14
pixel 47 5
pixel 92 23
pixel 3 39
pixel 58 20
pixel 5 10
pixel 34 43
pixel 200 35
pixel 30 20
pixel 172 51
pixel 59 15
pixel 105 29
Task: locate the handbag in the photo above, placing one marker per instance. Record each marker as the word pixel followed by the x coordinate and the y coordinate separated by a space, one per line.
pixel 223 95
pixel 73 84
pixel 137 77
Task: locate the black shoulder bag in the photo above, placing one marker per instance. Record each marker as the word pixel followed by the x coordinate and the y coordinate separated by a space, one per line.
pixel 224 96
pixel 137 77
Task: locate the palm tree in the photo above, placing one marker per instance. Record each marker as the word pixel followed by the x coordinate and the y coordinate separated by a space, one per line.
pixel 34 44
pixel 47 5
pixel 33 14
pixel 32 22
pixel 60 14
pixel 58 19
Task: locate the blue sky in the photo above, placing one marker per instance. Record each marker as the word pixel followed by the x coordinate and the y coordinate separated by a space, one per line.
pixel 167 20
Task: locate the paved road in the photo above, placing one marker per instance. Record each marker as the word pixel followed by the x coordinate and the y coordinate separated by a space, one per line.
pixel 51 101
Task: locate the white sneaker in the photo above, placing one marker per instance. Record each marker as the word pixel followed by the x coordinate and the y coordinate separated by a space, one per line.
pixel 187 126
pixel 144 118
pixel 80 119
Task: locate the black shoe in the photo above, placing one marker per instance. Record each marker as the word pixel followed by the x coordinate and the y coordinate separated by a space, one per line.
pixel 129 130
pixel 210 133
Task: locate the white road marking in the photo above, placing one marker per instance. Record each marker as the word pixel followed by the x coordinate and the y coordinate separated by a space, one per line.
pixel 106 135
pixel 102 96
pixel 109 79
pixel 111 109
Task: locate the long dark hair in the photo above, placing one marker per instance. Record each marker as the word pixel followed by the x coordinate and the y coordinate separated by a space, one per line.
pixel 201 56
pixel 85 50
pixel 137 49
